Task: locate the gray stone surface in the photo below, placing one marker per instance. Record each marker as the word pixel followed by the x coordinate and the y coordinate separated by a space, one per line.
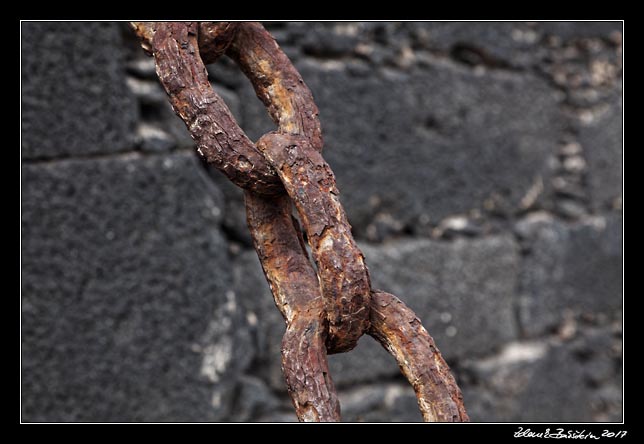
pixel 576 30
pixel 388 402
pixel 254 399
pixel 505 44
pixel 128 313
pixel 74 97
pixel 267 323
pixel 499 44
pixel 464 299
pixel 576 380
pixel 367 363
pixel 602 143
pixel 234 221
pixel 571 269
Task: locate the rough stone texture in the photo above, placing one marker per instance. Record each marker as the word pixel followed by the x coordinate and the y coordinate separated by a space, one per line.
pixel 267 323
pixel 571 269
pixel 368 362
pixel 74 99
pixel 507 44
pixel 551 381
pixel 127 308
pixel 235 211
pixel 571 30
pixel 481 168
pixel 463 299
pixel 254 399
pixel 396 402
pixel 602 144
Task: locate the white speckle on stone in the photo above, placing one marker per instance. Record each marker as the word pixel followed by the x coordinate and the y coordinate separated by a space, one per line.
pixel 146 131
pixel 451 331
pixel 109 235
pixel 216 400
pixel 532 194
pixel 346 28
pixel 559 183
pixel 406 58
pixel 571 149
pixel 574 164
pixel 515 353
pixel 141 87
pixel 167 163
pixel 251 318
pixel 598 222
pixel 568 329
pixel 231 304
pixel 446 317
pixel 456 223
pixel 332 65
pixel 374 200
pixel 538 217
pixel 601 72
pixel 216 345
pixel 364 49
pixel 517 34
pixel 524 36
pixel 216 358
pixel 215 211
pixel 527 351
pixel 393 392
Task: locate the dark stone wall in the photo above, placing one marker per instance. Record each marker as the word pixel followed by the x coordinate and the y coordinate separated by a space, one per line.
pixel 481 168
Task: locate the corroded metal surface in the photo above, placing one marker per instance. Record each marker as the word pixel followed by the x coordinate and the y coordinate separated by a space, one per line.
pixel 310 183
pixel 296 291
pixel 294 152
pixel 215 38
pixel 277 83
pixel 219 138
pixel 327 311
pixel 401 333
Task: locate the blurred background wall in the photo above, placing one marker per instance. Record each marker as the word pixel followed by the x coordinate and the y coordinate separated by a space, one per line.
pixel 481 168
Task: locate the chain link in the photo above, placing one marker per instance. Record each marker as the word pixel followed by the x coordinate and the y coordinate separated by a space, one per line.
pixel 325 311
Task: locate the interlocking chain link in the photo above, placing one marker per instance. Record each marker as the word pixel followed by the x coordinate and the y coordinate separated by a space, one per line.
pixel 325 311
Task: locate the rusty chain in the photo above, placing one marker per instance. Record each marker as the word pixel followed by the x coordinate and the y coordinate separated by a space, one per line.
pixel 325 311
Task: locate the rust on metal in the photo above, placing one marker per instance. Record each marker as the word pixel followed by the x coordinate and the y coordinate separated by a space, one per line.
pixel 215 38
pixel 310 183
pixel 219 138
pixel 401 333
pixel 296 291
pixel 325 311
pixel 277 83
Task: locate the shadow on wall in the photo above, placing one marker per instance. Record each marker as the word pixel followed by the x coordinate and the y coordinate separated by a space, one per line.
pixel 479 163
